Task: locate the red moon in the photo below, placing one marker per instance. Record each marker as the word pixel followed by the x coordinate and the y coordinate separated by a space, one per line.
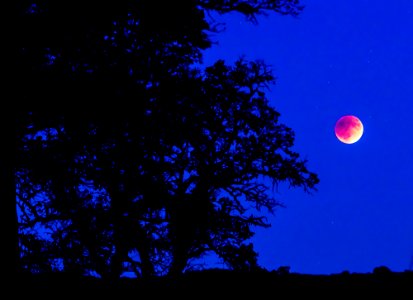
pixel 349 129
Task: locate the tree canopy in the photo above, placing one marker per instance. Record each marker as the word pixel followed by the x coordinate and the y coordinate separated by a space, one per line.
pixel 177 163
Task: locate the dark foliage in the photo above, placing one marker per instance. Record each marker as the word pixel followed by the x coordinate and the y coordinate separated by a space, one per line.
pixel 141 161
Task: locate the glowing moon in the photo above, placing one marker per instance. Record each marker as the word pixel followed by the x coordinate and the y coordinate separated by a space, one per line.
pixel 349 129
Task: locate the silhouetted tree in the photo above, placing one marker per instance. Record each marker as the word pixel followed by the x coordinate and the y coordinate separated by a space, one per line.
pixel 175 174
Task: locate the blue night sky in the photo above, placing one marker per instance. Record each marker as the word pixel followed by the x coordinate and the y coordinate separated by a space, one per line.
pixel 338 58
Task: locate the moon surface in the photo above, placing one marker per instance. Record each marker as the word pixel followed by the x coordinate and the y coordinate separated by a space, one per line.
pixel 349 129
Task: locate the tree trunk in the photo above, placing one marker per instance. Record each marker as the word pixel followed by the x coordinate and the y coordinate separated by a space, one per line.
pixel 180 261
pixel 10 244
pixel 147 268
pixel 117 210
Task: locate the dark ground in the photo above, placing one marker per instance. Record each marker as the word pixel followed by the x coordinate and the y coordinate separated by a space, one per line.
pixel 209 280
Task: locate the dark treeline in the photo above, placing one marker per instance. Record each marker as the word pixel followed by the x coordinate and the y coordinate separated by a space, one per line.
pixel 125 155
